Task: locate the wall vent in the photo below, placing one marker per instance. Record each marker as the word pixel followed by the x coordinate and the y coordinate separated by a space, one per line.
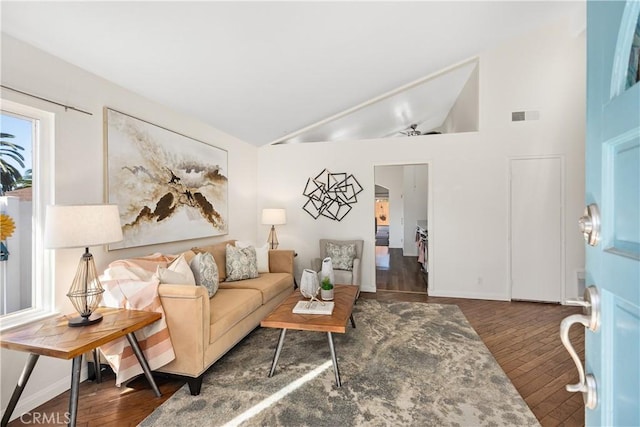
pixel 521 116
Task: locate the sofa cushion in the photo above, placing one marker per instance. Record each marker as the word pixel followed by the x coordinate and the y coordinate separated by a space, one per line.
pixel 269 284
pixel 205 272
pixel 218 251
pixel 242 263
pixel 230 306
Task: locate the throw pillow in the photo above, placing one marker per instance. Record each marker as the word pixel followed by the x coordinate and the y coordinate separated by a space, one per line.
pixel 218 250
pixel 342 256
pixel 262 255
pixel 181 266
pixel 205 271
pixel 166 276
pixel 241 263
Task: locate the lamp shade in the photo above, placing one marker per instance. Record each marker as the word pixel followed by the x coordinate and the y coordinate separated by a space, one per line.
pixel 274 216
pixel 78 226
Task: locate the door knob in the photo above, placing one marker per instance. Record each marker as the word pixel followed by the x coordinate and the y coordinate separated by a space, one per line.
pixel 589 319
pixel 589 224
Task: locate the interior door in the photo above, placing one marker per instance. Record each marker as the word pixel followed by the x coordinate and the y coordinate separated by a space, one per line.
pixel 536 204
pixel 612 353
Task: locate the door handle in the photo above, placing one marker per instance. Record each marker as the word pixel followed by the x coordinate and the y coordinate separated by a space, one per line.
pixel 589 224
pixel 589 319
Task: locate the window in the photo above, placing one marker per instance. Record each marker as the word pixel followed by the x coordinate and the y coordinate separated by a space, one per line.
pixel 633 72
pixel 26 288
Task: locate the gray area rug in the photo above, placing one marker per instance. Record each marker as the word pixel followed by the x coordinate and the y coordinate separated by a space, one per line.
pixel 405 364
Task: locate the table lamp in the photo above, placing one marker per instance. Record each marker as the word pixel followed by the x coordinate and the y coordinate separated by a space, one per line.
pixel 273 217
pixel 80 226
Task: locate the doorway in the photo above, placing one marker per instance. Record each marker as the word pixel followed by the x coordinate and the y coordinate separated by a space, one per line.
pixel 400 206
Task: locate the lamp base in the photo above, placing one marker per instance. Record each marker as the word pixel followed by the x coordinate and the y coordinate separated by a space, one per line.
pixel 85 321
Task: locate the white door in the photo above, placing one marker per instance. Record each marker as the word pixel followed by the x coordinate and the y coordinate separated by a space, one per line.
pixel 536 229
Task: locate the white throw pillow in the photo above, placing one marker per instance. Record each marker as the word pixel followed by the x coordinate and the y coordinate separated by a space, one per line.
pixel 166 276
pixel 262 255
pixel 180 265
pixel 176 273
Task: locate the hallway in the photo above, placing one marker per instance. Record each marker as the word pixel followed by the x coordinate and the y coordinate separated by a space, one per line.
pixel 398 273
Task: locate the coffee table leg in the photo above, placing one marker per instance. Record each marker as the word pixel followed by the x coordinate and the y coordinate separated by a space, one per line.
pixel 336 370
pixel 276 356
pixel 353 322
pixel 143 362
pixel 17 392
pixel 76 366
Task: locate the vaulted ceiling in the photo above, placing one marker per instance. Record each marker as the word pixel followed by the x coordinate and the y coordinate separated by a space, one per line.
pixel 270 72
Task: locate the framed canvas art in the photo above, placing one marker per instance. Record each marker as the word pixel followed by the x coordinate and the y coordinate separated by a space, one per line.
pixel 168 187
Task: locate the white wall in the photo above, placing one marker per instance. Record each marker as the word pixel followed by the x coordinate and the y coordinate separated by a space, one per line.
pixel 463 116
pixel 469 203
pixel 79 178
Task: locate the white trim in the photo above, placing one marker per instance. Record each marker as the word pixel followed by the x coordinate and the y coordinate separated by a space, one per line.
pixel 43 302
pixel 469 295
pixel 429 163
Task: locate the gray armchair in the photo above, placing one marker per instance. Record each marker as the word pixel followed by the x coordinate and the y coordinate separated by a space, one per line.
pixel 343 277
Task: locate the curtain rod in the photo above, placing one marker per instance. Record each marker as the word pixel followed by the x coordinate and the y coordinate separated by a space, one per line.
pixel 66 107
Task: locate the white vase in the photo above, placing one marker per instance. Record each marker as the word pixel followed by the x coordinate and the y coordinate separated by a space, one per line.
pixel 309 284
pixel 327 270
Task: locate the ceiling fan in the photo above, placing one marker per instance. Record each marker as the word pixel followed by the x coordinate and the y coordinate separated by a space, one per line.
pixel 413 131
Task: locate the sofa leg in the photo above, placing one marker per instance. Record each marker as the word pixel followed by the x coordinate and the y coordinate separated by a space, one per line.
pixel 195 384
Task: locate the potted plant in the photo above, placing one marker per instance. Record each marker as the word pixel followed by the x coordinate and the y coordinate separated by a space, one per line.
pixel 326 289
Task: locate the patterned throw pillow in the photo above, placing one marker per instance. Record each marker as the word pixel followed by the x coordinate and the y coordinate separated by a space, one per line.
pixel 342 256
pixel 205 271
pixel 241 263
pixel 262 255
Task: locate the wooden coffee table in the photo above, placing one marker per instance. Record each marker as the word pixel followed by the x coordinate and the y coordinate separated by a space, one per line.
pixel 54 338
pixel 284 318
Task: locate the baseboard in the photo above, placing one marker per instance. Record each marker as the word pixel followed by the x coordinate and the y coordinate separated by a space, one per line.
pixel 469 295
pixel 28 403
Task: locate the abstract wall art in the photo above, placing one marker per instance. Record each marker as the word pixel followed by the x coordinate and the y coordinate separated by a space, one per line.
pixel 331 195
pixel 168 187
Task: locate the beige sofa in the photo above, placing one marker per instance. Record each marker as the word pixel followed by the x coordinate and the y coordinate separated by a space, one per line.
pixel 203 329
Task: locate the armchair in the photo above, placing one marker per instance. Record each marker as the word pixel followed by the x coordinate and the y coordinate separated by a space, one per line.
pixel 344 277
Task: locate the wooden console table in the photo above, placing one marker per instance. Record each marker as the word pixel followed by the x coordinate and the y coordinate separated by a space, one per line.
pixel 54 338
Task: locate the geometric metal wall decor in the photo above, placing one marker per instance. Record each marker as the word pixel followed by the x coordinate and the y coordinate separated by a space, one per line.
pixel 331 195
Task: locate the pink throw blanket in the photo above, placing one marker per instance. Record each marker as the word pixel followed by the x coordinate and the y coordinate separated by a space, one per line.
pixel 132 284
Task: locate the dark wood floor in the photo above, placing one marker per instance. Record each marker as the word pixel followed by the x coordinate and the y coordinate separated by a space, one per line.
pixel 523 338
pixel 395 272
